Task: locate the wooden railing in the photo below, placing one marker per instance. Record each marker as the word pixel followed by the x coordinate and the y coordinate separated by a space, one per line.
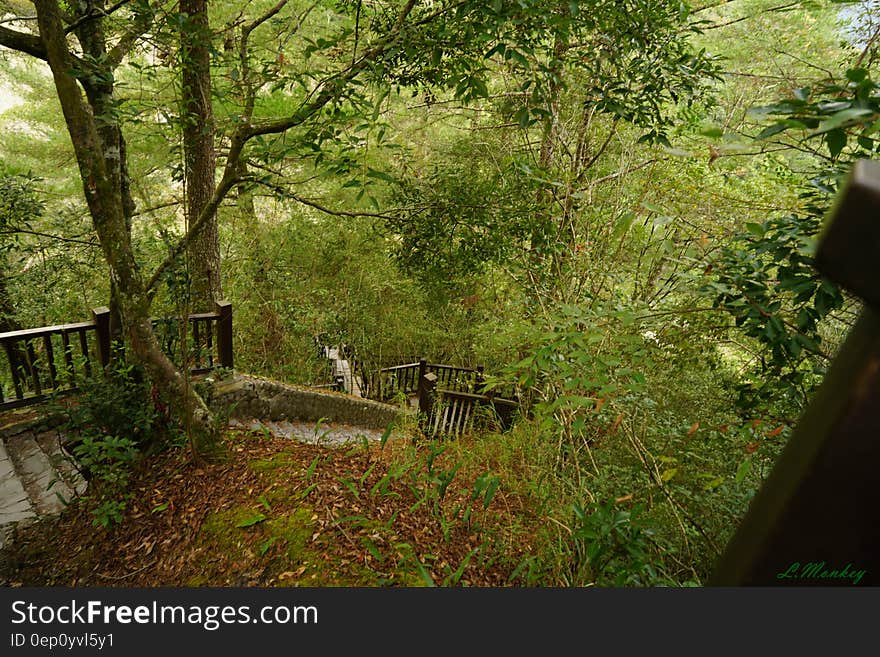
pixel 49 360
pixel 385 384
pixel 209 339
pixel 453 413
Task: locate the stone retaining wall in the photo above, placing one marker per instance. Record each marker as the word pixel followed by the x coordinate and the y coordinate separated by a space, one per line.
pixel 247 396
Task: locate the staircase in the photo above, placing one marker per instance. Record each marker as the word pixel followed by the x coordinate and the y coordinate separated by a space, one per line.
pixel 37 477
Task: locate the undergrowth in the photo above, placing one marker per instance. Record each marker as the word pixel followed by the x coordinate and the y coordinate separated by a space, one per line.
pixel 113 421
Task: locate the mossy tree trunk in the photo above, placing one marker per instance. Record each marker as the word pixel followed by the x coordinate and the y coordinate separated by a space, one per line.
pixel 97 145
pixel 203 253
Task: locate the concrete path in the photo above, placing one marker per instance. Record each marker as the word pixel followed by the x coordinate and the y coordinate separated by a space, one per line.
pixel 343 371
pixel 309 432
pixel 37 477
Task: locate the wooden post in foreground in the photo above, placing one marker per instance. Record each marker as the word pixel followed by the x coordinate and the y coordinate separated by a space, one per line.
pixel 427 387
pixel 224 334
pixel 816 520
pixel 101 317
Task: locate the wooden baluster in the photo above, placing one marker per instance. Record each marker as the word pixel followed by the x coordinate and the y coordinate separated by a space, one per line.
pixel 68 359
pixel 84 349
pixel 33 369
pixel 197 347
pixel 439 410
pixel 14 368
pixel 50 357
pixel 209 326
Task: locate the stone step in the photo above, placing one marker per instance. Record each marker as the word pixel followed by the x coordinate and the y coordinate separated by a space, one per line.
pixel 64 464
pixel 46 488
pixel 15 505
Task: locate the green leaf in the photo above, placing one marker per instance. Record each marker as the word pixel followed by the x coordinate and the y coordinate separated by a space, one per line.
pixel 425 575
pixel 385 436
pixel 623 224
pixel 836 142
pixel 266 545
pixel 755 229
pixel 667 475
pixel 743 470
pixel 378 107
pixel 490 491
pixel 713 484
pixel 856 75
pixel 381 175
pixel 251 520
pixel 774 129
pixel 841 118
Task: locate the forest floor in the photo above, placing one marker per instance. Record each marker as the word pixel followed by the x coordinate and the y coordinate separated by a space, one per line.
pixel 277 512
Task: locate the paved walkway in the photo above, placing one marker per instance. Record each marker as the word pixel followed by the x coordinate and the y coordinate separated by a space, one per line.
pixel 309 432
pixel 37 477
pixel 343 371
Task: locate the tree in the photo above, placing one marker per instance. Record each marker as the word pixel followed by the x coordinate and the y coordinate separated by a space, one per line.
pixel 85 87
pixel 340 78
pixel 573 77
pixel 198 151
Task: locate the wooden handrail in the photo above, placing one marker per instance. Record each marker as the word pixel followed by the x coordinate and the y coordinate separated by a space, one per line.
pixel 39 332
pixel 397 368
pixel 33 372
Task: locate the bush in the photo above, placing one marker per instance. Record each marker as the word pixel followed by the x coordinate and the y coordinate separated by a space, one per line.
pixel 112 421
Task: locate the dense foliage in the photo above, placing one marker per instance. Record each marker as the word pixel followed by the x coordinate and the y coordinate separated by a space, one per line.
pixel 612 206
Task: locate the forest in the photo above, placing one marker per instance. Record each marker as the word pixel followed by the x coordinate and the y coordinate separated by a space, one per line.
pixel 609 208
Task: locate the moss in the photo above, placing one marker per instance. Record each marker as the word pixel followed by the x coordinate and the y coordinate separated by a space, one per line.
pixel 295 530
pixel 280 460
pixel 277 545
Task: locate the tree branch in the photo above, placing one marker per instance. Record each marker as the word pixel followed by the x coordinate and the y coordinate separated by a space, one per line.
pixel 93 15
pixel 788 5
pixel 332 88
pixel 332 85
pixel 30 44
pixel 244 60
pixel 140 26
pixel 59 238
pixel 278 189
pixel 227 182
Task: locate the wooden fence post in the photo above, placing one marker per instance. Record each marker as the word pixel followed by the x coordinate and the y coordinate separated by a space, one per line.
pixel 101 317
pixel 427 386
pixel 814 520
pixel 224 334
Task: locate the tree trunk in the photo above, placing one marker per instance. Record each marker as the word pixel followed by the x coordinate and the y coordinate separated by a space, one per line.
pixel 198 150
pixel 99 92
pixel 97 164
